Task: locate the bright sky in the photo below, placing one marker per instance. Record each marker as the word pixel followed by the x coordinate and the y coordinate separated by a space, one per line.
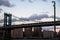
pixel 25 8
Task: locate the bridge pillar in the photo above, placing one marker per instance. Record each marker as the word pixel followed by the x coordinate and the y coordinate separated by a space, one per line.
pixel 7 22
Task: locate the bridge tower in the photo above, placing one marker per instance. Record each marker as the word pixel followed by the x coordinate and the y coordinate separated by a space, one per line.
pixel 7 23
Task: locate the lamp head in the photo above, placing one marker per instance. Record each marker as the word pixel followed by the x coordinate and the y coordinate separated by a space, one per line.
pixel 53 1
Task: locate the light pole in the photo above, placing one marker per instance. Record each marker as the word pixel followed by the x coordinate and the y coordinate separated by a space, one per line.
pixel 54 5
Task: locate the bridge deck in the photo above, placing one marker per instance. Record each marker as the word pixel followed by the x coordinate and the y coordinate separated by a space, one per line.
pixel 40 24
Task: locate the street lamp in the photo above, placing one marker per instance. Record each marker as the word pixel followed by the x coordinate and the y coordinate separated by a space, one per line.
pixel 54 5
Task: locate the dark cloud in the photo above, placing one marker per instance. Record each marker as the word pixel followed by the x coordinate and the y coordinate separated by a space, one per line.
pixel 38 17
pixel 5 3
pixel 41 16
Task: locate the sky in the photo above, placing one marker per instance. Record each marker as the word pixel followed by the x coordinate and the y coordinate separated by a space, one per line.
pixel 25 8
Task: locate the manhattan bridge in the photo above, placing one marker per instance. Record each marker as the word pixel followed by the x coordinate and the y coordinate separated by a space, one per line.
pixel 6 25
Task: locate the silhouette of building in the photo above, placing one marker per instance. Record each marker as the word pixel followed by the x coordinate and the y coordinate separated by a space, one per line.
pixel 37 32
pixel 58 34
pixel 28 32
pixel 17 33
pixel 48 34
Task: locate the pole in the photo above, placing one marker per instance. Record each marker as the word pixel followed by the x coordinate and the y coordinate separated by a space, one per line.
pixel 54 17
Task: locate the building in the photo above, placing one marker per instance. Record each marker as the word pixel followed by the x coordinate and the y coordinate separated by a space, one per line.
pixel 37 32
pixel 48 34
pixel 17 33
pixel 28 32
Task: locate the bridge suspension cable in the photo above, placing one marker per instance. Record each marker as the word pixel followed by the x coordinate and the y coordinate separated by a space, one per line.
pixel 15 16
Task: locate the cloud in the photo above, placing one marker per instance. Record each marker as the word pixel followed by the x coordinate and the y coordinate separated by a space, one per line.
pixel 30 1
pixel 0 10
pixel 22 0
pixel 38 17
pixel 44 0
pixel 41 16
pixel 27 0
pixel 5 3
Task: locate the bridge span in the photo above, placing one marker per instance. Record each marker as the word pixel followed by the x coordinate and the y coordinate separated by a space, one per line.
pixel 40 24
